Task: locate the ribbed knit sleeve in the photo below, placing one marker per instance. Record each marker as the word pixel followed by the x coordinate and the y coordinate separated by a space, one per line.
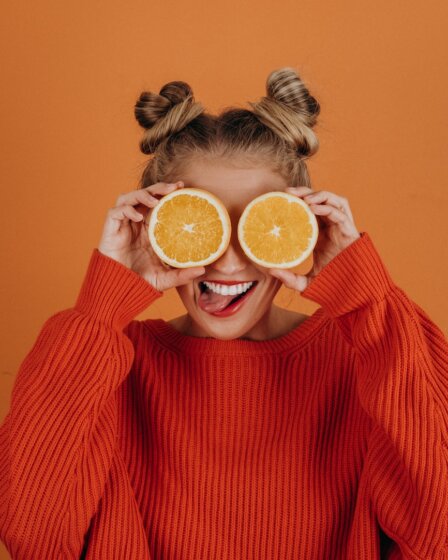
pixel 401 360
pixel 58 439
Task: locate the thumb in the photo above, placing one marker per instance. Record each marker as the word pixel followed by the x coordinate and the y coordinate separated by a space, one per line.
pixel 291 280
pixel 185 275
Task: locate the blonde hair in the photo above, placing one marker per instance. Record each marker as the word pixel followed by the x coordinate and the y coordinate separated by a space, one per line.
pixel 277 132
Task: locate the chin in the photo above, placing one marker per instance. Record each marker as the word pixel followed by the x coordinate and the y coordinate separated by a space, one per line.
pixel 228 334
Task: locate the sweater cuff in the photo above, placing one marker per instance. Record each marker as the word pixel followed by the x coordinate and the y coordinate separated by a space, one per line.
pixel 356 277
pixel 113 293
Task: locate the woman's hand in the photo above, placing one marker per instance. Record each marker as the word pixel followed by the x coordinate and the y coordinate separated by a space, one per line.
pixel 125 238
pixel 337 231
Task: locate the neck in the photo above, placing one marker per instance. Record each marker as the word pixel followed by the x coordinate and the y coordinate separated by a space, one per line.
pixel 276 322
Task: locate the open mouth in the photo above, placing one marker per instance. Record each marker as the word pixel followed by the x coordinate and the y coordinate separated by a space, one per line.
pixel 219 304
pixel 205 289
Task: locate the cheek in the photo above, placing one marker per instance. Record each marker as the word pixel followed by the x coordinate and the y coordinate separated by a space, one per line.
pixel 268 279
pixel 186 293
pixel 272 284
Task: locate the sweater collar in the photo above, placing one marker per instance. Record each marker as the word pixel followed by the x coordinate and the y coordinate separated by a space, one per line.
pixel 172 339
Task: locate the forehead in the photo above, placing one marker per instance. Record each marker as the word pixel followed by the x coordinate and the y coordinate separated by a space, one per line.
pixel 234 183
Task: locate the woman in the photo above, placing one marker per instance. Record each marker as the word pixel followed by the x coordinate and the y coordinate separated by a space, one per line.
pixel 264 434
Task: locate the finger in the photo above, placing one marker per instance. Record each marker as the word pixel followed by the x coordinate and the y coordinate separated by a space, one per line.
pixel 125 213
pixel 164 188
pixel 146 202
pixel 291 280
pixel 180 276
pixel 328 198
pixel 331 212
pixel 118 216
pixel 142 196
pixel 299 190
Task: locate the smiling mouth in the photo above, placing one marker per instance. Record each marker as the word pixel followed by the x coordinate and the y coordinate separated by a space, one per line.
pixel 204 289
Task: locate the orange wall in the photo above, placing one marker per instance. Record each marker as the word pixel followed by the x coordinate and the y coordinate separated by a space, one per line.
pixel 73 70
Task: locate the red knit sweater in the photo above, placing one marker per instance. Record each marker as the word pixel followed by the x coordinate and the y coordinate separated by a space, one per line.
pixel 128 440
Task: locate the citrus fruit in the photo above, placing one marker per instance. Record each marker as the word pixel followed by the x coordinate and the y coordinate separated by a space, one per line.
pixel 277 230
pixel 189 227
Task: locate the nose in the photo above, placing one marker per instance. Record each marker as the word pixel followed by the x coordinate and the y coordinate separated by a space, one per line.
pixel 232 261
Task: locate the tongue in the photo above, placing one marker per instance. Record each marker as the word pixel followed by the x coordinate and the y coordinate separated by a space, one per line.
pixel 211 302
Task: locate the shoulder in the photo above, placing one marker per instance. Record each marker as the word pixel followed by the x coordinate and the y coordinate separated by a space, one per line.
pixel 141 332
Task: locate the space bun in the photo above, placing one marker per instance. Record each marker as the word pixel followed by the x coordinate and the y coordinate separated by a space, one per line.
pixel 162 115
pixel 289 110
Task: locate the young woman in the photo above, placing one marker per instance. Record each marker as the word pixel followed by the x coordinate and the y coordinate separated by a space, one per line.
pixel 257 434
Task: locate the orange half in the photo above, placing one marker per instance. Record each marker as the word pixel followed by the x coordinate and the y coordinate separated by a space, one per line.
pixel 189 227
pixel 277 230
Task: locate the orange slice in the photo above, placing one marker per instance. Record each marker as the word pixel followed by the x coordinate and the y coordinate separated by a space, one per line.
pixel 189 227
pixel 277 230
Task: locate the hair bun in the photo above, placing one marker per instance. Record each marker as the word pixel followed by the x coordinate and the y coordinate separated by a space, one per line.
pixel 286 86
pixel 289 110
pixel 165 113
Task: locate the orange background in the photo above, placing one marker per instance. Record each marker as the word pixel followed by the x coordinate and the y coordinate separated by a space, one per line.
pixel 72 72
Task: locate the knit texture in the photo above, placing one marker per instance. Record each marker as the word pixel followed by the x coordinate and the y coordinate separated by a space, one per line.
pixel 128 440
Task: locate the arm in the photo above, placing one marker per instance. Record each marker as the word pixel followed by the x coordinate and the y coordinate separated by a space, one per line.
pixel 401 360
pixel 57 441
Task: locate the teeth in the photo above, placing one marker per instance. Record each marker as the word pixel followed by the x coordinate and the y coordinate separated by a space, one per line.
pixel 224 290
